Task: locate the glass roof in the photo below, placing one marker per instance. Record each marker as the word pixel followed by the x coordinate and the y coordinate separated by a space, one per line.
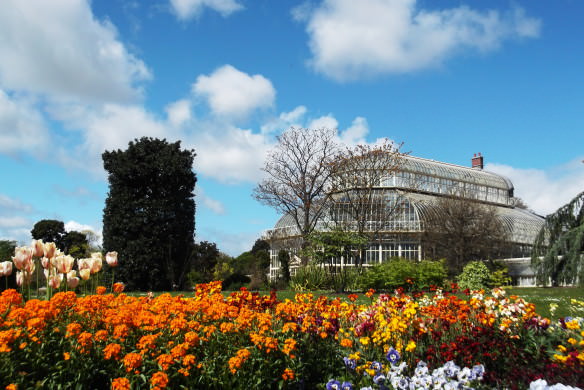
pixel 455 172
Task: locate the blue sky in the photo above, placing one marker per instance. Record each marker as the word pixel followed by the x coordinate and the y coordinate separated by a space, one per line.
pixel 448 79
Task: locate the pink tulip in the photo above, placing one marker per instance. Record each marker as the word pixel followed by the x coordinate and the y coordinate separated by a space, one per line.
pixel 84 264
pixel 38 248
pixel 73 282
pixel 45 262
pixel 6 268
pixel 55 281
pixel 64 263
pixel 19 278
pixel 97 255
pixel 112 259
pixel 85 273
pixel 50 249
pixel 30 267
pixel 96 264
pixel 22 256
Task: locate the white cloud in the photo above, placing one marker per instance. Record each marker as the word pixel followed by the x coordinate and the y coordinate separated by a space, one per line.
pixel 230 155
pixel 10 222
pixel 544 191
pixel 14 221
pixel 108 127
pixel 79 227
pixel 233 93
pixel 359 39
pixel 285 120
pixel 58 48
pixel 326 122
pixel 22 127
pixel 179 112
pixel 187 9
pixel 356 133
pixel 208 202
pixel 8 204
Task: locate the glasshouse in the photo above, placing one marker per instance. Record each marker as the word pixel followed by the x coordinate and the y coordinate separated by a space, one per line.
pixel 402 203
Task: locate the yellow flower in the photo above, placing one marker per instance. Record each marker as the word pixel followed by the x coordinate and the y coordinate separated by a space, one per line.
pixel 561 358
pixel 572 341
pixel 364 340
pixel 411 346
pixel 561 348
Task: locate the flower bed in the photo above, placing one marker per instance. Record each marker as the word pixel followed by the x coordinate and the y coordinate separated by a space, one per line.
pixel 209 341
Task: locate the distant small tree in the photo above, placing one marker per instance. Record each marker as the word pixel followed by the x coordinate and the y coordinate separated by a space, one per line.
pixel 6 252
pixel 284 260
pixel 558 250
pixel 204 257
pixel 460 229
pixel 75 244
pixel 260 245
pixel 49 230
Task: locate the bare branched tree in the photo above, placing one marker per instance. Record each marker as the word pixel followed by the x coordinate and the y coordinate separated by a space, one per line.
pixel 359 204
pixel 460 230
pixel 299 171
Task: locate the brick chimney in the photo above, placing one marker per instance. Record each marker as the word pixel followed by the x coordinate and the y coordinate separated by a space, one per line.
pixel 477 161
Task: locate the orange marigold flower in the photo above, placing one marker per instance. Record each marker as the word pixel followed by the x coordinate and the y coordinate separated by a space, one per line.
pixel 73 329
pixel 112 351
pixel 352 297
pixel 159 380
pixel 288 375
pixel 347 343
pixel 189 360
pixel 100 290
pixel 66 356
pixel 100 335
pixel 289 346
pixel 119 287
pixel 121 384
pixel 121 331
pixel 370 293
pixel 289 327
pixel 164 361
pixel 237 361
pixel 85 341
pixel 132 361
pixel 192 338
pixel 11 386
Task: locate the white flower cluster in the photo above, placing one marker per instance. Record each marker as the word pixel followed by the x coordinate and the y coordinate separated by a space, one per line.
pixel 541 384
pixel 449 376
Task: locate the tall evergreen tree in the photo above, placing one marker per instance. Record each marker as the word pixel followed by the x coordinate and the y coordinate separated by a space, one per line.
pixel 49 230
pixel 558 250
pixel 149 215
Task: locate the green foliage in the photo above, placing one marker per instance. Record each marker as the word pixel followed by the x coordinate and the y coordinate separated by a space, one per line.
pixel 223 268
pixel 500 277
pixel 558 250
pixel 284 260
pixel 475 276
pixel 399 272
pixel 49 230
pixel 149 215
pixel 310 277
pixel 204 256
pixel 75 244
pixel 430 272
pixel 325 247
pixel 7 249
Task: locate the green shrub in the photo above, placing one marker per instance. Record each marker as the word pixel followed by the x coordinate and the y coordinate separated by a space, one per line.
pixel 430 272
pixel 389 275
pixel 310 277
pixel 475 276
pixel 399 272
